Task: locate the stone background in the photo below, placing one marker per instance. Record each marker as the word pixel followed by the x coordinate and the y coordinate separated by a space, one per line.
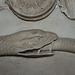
pixel 62 63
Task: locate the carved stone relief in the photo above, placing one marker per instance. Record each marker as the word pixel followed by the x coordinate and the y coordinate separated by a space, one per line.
pixel 18 44
pixel 34 43
pixel 68 8
pixel 31 9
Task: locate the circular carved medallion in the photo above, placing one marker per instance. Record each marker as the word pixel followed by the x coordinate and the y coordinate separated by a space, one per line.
pixel 31 9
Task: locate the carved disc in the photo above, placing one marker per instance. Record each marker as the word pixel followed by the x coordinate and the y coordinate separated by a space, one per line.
pixel 31 9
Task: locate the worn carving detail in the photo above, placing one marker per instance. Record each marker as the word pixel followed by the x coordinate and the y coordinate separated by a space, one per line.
pixel 24 41
pixel 31 9
pixel 68 8
pixel 34 43
pixel 3 8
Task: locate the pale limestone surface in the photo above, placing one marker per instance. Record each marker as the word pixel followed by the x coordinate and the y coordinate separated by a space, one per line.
pixel 61 63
